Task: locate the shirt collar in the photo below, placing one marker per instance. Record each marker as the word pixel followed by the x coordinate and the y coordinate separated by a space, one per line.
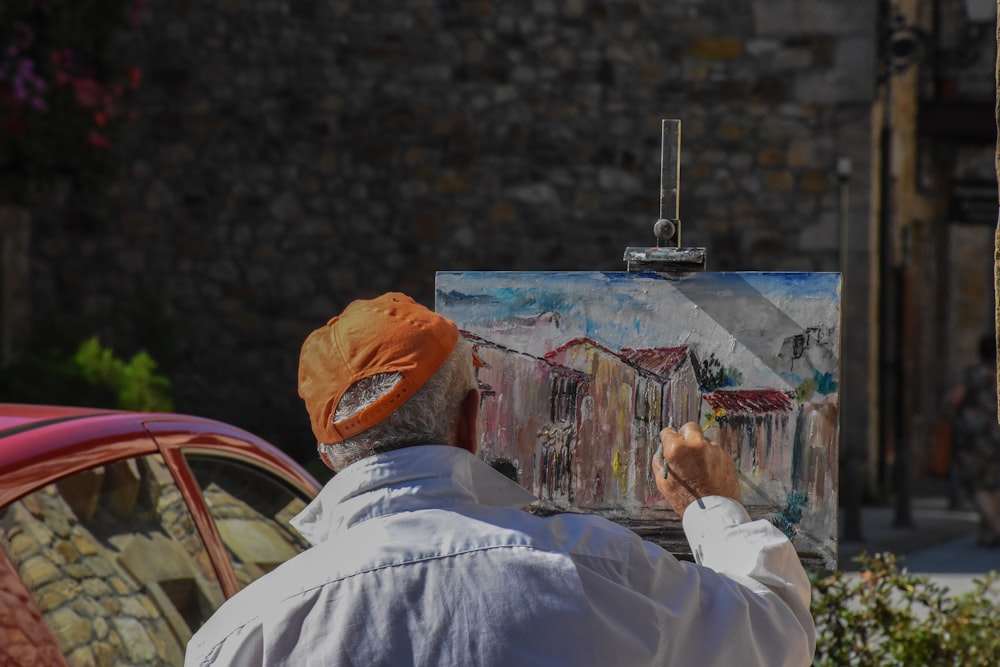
pixel 405 479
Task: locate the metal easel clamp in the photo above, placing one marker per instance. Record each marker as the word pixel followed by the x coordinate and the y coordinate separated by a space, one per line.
pixel 668 255
pixel 664 260
pixel 666 230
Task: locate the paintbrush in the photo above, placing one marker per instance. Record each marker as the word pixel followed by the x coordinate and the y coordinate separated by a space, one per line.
pixel 663 456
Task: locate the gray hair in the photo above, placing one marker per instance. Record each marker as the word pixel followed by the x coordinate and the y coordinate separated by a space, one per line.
pixel 427 417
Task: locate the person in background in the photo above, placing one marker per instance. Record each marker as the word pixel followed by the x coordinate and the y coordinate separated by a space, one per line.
pixel 424 555
pixel 976 440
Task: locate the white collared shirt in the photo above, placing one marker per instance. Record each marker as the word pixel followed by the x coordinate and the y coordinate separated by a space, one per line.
pixel 423 556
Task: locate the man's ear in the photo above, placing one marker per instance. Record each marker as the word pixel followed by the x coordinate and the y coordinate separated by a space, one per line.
pixel 467 424
pixel 325 459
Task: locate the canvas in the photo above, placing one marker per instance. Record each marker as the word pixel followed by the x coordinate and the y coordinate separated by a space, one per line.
pixel 583 369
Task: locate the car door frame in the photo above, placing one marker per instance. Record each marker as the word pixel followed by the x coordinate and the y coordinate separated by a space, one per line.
pixel 175 437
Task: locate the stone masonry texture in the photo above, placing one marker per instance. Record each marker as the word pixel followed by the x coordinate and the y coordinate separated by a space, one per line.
pixel 100 581
pixel 288 156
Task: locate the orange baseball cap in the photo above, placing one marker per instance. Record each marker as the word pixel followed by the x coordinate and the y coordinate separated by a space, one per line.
pixel 388 334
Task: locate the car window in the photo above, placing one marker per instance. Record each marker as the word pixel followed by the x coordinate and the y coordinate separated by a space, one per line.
pixel 251 508
pixel 114 562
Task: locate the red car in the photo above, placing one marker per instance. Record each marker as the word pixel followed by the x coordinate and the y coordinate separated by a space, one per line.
pixel 121 532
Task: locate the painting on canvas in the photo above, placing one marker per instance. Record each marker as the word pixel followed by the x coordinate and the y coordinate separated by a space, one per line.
pixel 583 369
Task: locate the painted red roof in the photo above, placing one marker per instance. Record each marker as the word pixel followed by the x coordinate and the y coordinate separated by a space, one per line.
pixel 750 400
pixel 478 341
pixel 659 360
pixel 580 341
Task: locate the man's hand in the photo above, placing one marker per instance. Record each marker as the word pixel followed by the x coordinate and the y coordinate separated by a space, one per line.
pixel 696 468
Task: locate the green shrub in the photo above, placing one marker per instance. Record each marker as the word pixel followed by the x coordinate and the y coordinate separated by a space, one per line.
pixel 135 383
pixel 885 616
pixel 92 376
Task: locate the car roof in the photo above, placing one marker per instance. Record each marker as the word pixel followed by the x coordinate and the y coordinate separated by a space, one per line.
pixel 39 441
pixel 21 416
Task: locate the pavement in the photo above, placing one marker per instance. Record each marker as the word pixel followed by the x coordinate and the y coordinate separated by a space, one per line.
pixel 940 542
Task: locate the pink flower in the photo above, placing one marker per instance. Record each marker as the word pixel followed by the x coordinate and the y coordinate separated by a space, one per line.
pixel 26 71
pixel 24 86
pixel 99 141
pixel 89 93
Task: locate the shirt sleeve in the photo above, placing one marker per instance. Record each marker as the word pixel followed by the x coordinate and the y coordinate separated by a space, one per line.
pixel 761 559
pixel 744 602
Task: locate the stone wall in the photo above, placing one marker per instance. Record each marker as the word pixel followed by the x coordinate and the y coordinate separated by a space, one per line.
pixel 291 155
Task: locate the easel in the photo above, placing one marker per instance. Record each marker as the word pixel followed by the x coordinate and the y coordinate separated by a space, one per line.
pixel 667 256
pixel 584 367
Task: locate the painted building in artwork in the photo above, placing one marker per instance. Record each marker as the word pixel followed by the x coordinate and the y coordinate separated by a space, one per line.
pixel 558 441
pixel 580 425
pixel 559 420
pixel 817 433
pixel 633 394
pixel 538 444
pixel 674 369
pixel 666 394
pixel 757 427
pixel 775 441
pixel 606 425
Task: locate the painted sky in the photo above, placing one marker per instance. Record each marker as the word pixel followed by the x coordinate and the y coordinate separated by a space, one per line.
pixel 742 317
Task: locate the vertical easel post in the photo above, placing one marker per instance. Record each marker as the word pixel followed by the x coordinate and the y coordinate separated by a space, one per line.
pixel 668 256
pixel 670 181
